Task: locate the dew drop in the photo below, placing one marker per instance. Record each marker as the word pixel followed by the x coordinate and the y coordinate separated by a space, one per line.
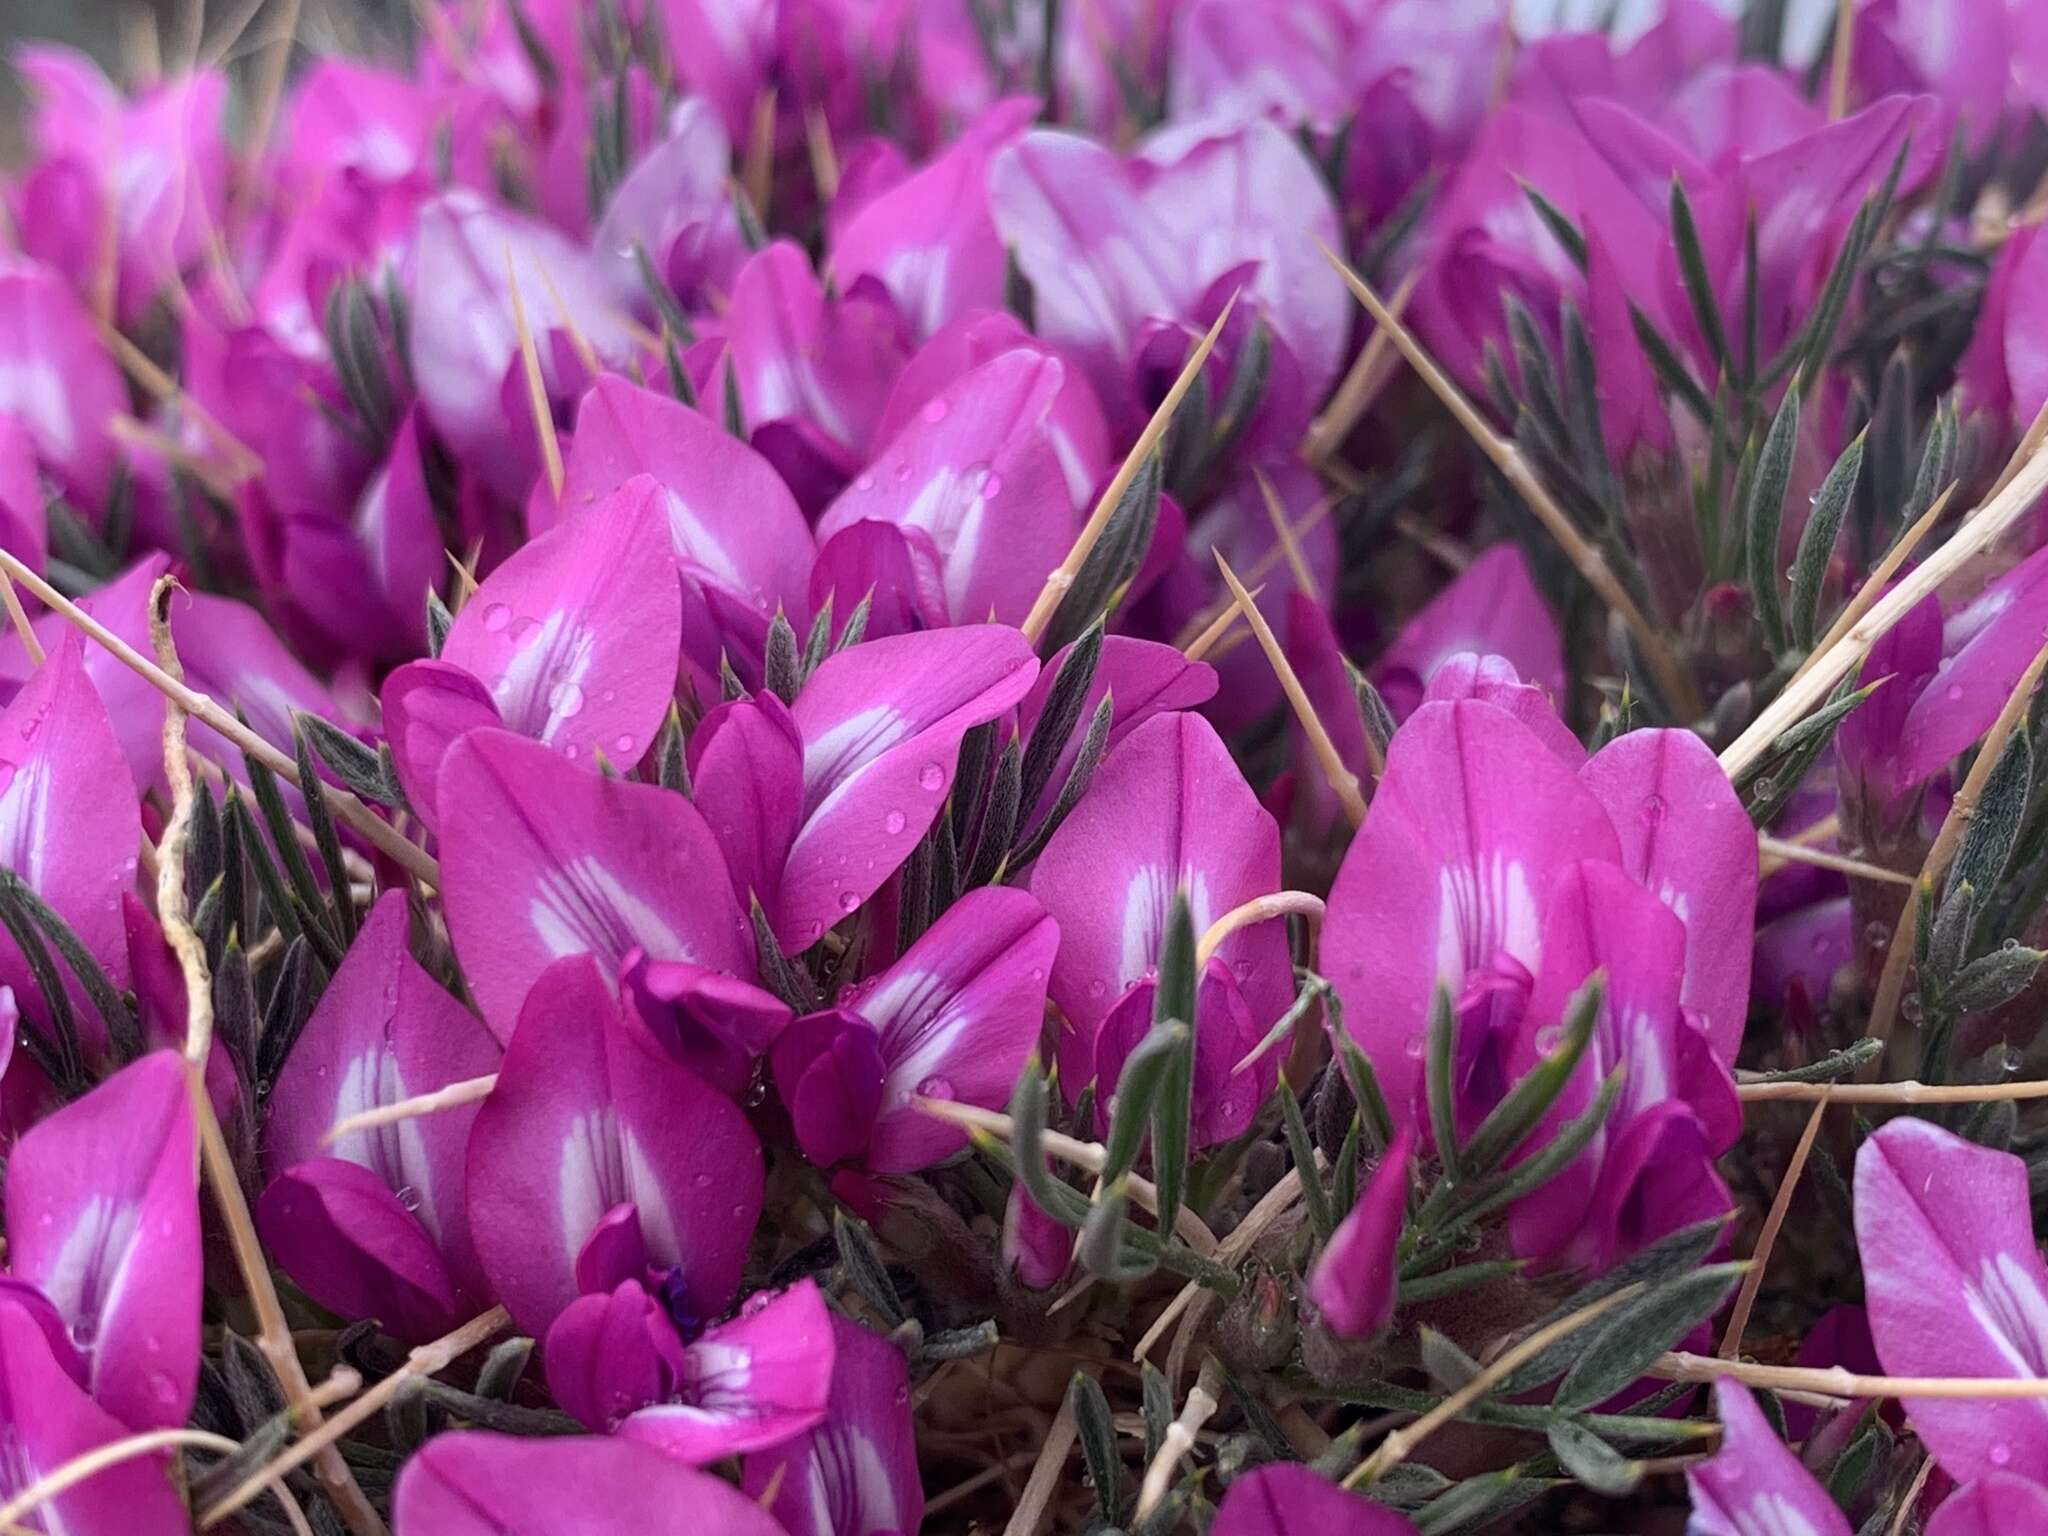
pixel 935 412
pixel 936 1087
pixel 622 743
pixel 992 487
pixel 1955 693
pixel 931 777
pixel 849 901
pixel 2000 1453
pixel 1413 1049
pixel 408 1197
pixel 496 617
pixel 865 483
pixel 565 700
pixel 703 1181
pixel 524 632
pixel 893 823
pixel 1653 810
pixel 1097 987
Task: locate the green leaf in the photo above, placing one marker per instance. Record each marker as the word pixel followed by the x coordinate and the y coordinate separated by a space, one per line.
pixel 1053 1197
pixel 363 771
pixel 1314 1198
pixel 863 1268
pixel 1617 1349
pixel 1835 1065
pixel 123 1032
pixel 998 822
pixel 1993 831
pixel 1817 541
pixel 1440 1071
pixel 1173 1005
pixel 321 820
pixel 1137 1088
pixel 1590 1459
pixel 1102 1248
pixel 781 663
pixel 1116 556
pixel 1692 266
pixel 1096 1430
pixel 1079 776
pixel 1523 1108
pixel 1765 513
pixel 1064 701
pixel 1991 981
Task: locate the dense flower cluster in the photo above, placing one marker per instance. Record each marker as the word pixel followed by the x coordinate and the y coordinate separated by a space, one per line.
pixel 776 766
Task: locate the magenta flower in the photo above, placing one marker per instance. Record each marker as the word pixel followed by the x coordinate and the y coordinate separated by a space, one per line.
pixel 1489 867
pixel 619 1363
pixel 51 1423
pixel 596 1159
pixel 1955 1286
pixel 1286 1497
pixel 1352 1284
pixel 103 1223
pixel 823 801
pixel 856 1471
pixel 740 541
pixel 1990 1506
pixel 476 1483
pixel 676 206
pixel 543 859
pixel 1167 812
pixel 57 381
pixel 1754 1483
pixel 374 1224
pixel 574 641
pixel 69 827
pixel 1490 609
pixel 1110 244
pixel 955 1017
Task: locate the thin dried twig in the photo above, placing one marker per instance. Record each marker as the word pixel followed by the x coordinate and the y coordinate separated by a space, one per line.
pixel 1260 909
pixel 1341 779
pixel 1891 1093
pixel 536 386
pixel 1397 1447
pixel 1061 580
pixel 427 1360
pixel 1087 1155
pixel 170 853
pixel 1891 984
pixel 1912 1497
pixel 1506 456
pixel 1218 627
pixel 1043 1483
pixel 1790 852
pixel 1838 64
pixel 453 1096
pixel 346 807
pixel 1274 1204
pixel 2030 440
pixel 1179 1439
pixel 1828 667
pixel 1832 1381
pixel 1874 585
pixel 1369 373
pixel 18 617
pixel 80 1469
pixel 1767 1239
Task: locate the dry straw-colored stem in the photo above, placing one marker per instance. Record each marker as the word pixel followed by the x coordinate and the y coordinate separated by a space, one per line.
pixel 1087 1155
pixel 1830 1381
pixel 536 385
pixel 18 617
pixel 1217 628
pixel 1179 1438
pixel 170 854
pixel 1341 779
pixel 1874 585
pixel 1828 667
pixel 453 1096
pixel 81 1469
pixel 1399 1445
pixel 1260 909
pixel 346 807
pixel 1369 373
pixel 1061 580
pixel 1890 1093
pixel 1788 852
pixel 1679 694
pixel 1767 1239
pixel 1838 64
pixel 1029 1515
pixel 427 1360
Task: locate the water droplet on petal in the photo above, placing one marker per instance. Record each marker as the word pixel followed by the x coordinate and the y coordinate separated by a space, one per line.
pixel 1653 810
pixel 936 1087
pixel 496 617
pixel 565 700
pixel 893 823
pixel 525 632
pixel 931 777
pixel 849 901
pixel 935 412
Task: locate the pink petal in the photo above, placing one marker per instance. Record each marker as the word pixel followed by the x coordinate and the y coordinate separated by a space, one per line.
pixel 69 826
pixel 1493 680
pixel 426 706
pixel 867 1426
pixel 748 1384
pixel 1168 810
pixel 384 1030
pixel 746 775
pixel 1471 820
pixel 957 1015
pixel 1685 836
pixel 979 471
pixel 543 859
pixel 477 1483
pixel 350 1242
pixel 1492 608
pixel 881 725
pixel 1286 1497
pixel 1352 1285
pixel 1754 1482
pixel 51 1423
pixel 1955 1287
pixel 577 634
pixel 103 1217
pixel 1992 1506
pixel 587 1115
